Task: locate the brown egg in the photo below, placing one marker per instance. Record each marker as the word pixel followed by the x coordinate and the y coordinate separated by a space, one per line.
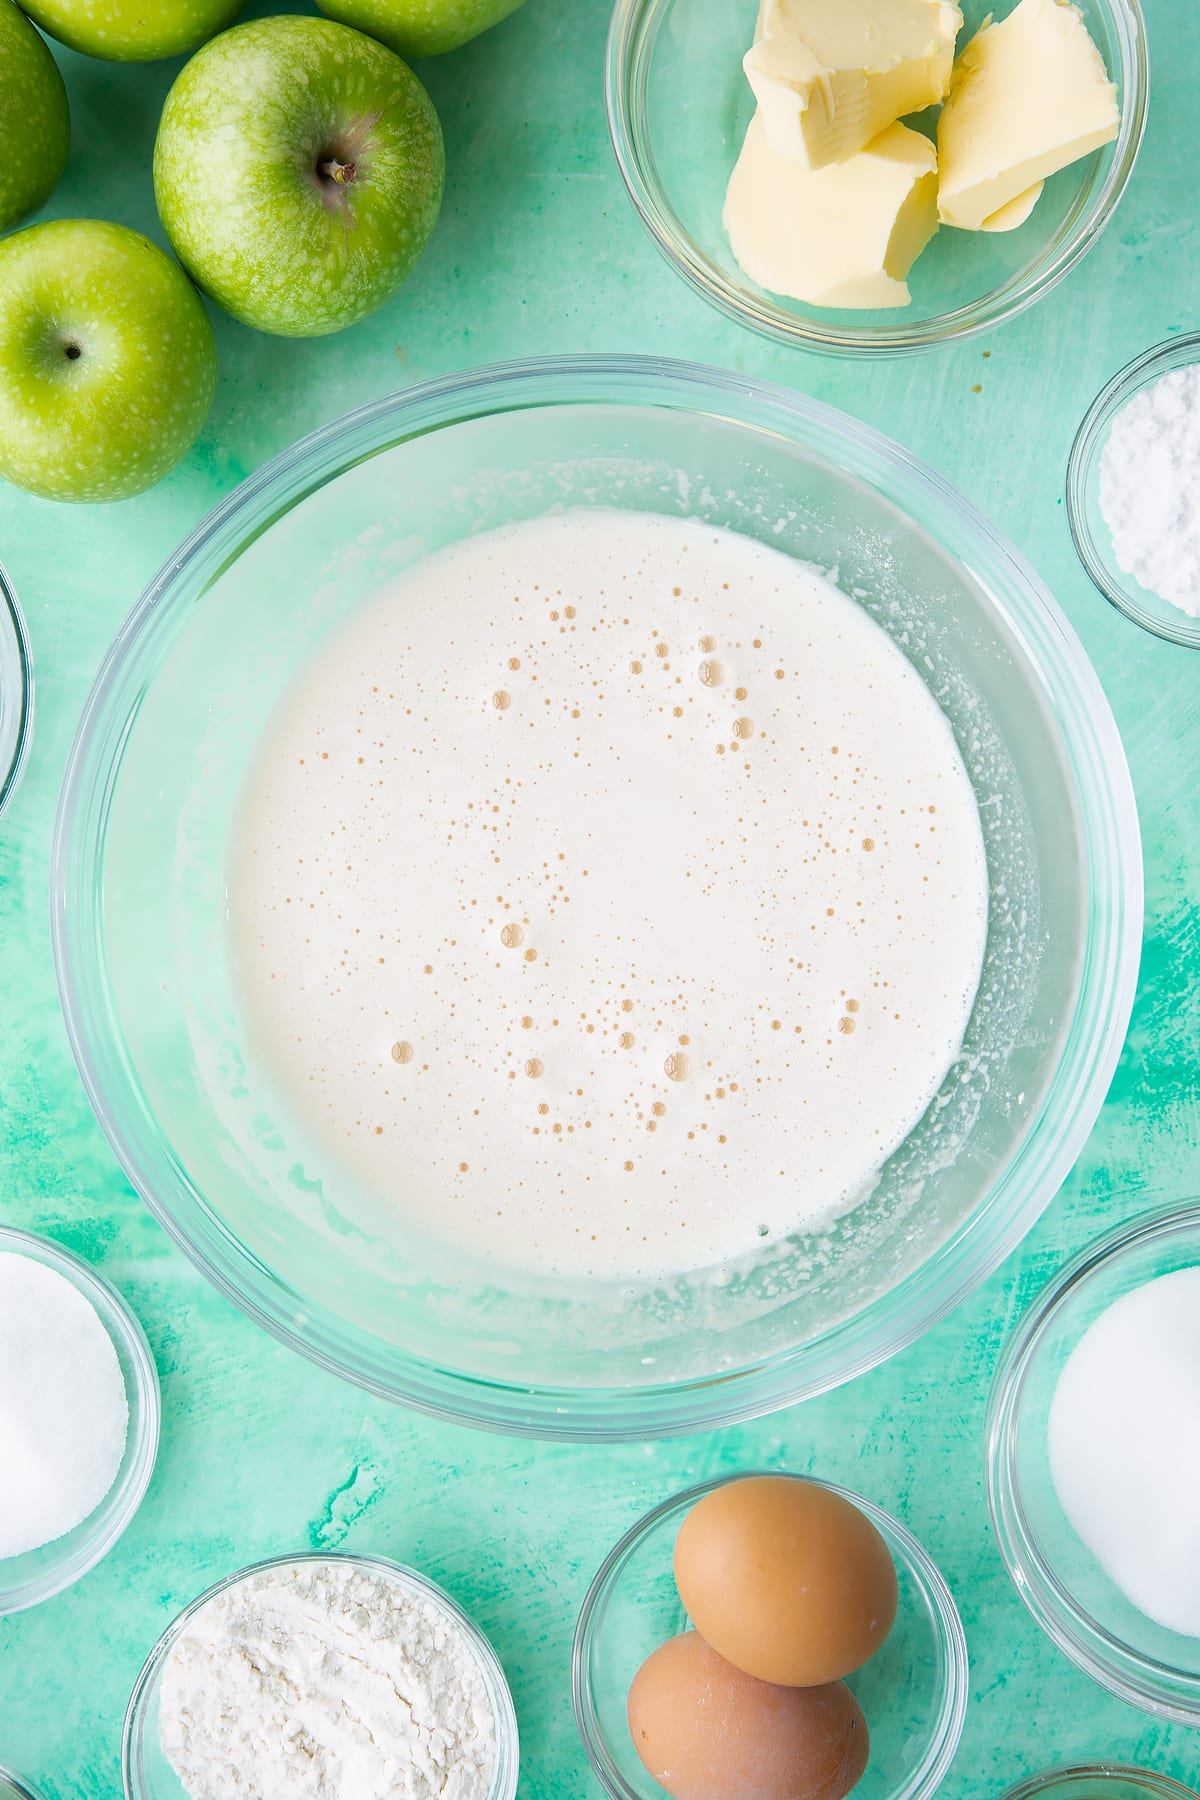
pixel 786 1580
pixel 706 1731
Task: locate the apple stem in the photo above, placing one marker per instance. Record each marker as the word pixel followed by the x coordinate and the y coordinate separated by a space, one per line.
pixel 333 170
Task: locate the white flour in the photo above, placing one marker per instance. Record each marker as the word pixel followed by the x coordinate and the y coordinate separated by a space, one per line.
pixel 322 1681
pixel 1150 488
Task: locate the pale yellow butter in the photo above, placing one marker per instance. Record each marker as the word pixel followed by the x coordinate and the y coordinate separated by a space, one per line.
pixel 1016 212
pixel 1029 95
pixel 830 75
pixel 845 235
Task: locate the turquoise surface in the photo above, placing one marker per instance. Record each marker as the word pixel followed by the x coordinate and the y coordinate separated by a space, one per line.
pixel 538 251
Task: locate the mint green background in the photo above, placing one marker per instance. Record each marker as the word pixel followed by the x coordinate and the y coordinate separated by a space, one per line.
pixel 539 251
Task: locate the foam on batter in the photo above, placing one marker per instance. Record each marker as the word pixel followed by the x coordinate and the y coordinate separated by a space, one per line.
pixel 609 894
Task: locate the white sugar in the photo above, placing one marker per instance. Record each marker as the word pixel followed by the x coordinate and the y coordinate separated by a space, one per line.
pixel 1125 1446
pixel 64 1413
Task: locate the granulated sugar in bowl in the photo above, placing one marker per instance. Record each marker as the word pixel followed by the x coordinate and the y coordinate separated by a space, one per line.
pixel 79 1418
pixel 63 1412
pixel 1124 1441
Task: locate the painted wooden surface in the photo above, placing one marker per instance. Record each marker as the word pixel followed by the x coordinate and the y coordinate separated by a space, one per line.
pixel 539 251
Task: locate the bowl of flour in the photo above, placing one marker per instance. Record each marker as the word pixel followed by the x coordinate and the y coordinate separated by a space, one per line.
pixel 1133 491
pixel 322 1678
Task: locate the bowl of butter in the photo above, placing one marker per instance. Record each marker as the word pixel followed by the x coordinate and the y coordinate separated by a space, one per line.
pixel 876 175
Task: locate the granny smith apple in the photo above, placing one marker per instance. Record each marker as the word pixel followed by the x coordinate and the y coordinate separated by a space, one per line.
pixel 34 122
pixel 107 361
pixel 298 172
pixel 132 30
pixel 421 27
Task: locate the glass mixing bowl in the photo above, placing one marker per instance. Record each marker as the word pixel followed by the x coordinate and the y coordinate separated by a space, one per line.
pixel 12 1789
pixel 1070 1595
pixel 1099 1781
pixel 139 908
pixel 678 108
pixel 148 1775
pixel 913 1692
pixel 16 693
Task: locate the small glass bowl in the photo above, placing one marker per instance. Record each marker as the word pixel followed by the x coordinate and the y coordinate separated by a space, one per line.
pixel 16 692
pixel 1099 1781
pixel 146 1773
pixel 39 1574
pixel 12 1789
pixel 678 107
pixel 1078 1607
pixel 1086 520
pixel 913 1692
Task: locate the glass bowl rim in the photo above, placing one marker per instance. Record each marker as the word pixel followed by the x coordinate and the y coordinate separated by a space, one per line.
pixel 1180 351
pixel 14 632
pixel 1085 729
pixel 627 30
pixel 1142 1681
pixel 926 1780
pixel 1161 1787
pixel 504 1786
pixel 12 1787
pixel 80 1549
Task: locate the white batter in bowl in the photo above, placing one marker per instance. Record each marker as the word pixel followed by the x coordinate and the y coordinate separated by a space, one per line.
pixel 210 1129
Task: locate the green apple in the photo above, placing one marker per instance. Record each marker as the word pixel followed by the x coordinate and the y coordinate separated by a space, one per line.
pixel 107 361
pixel 34 122
pixel 298 172
pixel 132 30
pixel 421 27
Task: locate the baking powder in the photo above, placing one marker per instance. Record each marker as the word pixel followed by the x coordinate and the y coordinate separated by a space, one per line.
pixel 64 1414
pixel 1150 488
pixel 320 1680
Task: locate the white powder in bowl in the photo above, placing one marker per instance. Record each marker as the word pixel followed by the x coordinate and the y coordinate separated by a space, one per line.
pixel 64 1414
pixel 1150 488
pixel 1124 1442
pixel 321 1680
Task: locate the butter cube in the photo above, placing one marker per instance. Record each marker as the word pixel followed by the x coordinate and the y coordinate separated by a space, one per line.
pixel 1016 212
pixel 845 235
pixel 830 75
pixel 1029 95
